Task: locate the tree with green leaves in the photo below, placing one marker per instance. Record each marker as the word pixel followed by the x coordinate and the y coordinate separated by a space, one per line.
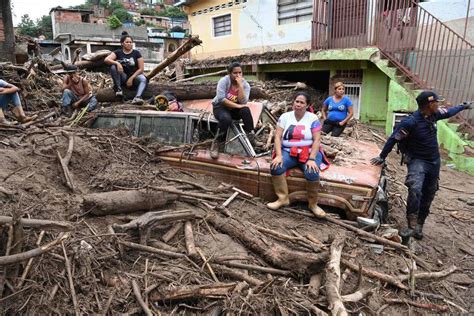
pixel 148 11
pixel 122 15
pixel 27 26
pixel 45 26
pixel 172 12
pixel 113 22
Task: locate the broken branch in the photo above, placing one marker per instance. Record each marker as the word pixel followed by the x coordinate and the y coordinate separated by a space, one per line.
pixel 32 253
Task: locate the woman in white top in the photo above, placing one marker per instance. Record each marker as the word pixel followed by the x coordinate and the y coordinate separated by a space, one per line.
pixel 297 140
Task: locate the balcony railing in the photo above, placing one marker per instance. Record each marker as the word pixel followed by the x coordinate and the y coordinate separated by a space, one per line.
pixel 427 51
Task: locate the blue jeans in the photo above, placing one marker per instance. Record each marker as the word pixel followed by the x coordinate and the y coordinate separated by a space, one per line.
pixel 70 97
pixel 290 162
pixel 13 98
pixel 422 183
pixel 120 79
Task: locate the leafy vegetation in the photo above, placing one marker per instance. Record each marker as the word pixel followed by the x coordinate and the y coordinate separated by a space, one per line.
pixel 122 15
pixel 42 26
pixel 172 12
pixel 113 22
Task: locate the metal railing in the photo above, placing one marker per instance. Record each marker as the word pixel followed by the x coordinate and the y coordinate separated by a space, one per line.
pixel 424 49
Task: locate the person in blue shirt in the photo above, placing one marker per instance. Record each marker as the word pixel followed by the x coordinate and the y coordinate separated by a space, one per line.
pixel 337 111
pixel 416 135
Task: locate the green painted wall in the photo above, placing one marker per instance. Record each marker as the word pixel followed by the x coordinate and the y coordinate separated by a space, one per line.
pixel 399 100
pixel 373 107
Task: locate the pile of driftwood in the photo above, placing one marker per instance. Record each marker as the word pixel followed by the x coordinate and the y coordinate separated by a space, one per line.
pixel 137 236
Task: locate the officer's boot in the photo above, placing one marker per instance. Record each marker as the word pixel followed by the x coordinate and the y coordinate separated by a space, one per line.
pixel 418 234
pixel 281 190
pixel 412 221
pixel 312 188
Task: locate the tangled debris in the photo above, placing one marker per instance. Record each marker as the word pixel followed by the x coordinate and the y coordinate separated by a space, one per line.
pixel 186 244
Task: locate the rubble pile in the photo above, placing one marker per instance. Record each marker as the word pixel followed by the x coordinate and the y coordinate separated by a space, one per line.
pixel 93 222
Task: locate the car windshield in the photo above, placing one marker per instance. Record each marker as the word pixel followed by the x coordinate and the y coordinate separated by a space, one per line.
pixel 175 129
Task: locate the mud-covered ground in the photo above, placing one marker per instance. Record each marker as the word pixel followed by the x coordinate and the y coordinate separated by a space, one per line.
pixel 103 269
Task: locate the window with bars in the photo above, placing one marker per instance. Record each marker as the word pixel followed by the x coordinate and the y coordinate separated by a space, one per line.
pixel 222 25
pixel 291 11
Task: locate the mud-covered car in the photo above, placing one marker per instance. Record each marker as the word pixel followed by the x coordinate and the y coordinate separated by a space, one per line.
pixel 350 184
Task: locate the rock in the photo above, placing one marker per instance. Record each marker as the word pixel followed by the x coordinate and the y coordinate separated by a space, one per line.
pixel 460 278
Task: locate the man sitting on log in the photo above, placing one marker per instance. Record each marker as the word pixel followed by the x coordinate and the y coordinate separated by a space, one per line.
pixel 76 91
pixel 9 94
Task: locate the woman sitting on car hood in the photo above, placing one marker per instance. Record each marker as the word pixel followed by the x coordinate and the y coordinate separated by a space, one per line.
pixel 297 144
pixel 230 103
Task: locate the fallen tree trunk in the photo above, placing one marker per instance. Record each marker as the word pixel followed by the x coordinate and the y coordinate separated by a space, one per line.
pixel 333 278
pixel 183 49
pixel 271 252
pixel 182 91
pixel 116 202
pixel 148 221
pixel 39 223
pixel 216 290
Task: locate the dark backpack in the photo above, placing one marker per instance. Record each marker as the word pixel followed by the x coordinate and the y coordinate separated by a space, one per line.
pixel 402 142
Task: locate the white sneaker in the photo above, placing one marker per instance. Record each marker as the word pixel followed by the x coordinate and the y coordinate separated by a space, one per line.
pixel 137 101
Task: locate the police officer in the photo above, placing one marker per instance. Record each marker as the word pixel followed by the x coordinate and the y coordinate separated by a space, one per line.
pixel 416 135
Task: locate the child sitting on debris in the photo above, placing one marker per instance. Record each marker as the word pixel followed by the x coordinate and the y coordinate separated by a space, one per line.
pixel 230 103
pixel 127 66
pixel 9 94
pixel 76 91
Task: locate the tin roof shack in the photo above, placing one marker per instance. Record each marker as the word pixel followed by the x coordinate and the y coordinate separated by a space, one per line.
pixel 7 36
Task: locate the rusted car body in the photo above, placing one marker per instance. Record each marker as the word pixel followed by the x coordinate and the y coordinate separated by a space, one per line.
pixel 352 185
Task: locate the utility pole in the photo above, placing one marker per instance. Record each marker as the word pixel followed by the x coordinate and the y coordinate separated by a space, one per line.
pixel 467 17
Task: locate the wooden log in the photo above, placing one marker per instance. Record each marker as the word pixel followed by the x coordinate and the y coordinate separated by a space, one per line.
pixel 254 268
pixel 183 49
pixel 333 278
pixel 236 274
pixel 182 91
pixel 273 253
pixel 189 239
pixel 32 253
pixel 358 295
pixel 430 306
pixel 71 282
pixel 149 249
pixel 116 202
pixel 430 275
pixel 172 232
pixel 64 162
pixel 376 275
pixel 138 296
pixel 148 221
pixel 314 285
pixel 217 73
pixel 219 290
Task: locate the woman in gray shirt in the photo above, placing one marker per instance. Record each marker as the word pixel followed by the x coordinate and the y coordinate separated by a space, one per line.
pixel 230 103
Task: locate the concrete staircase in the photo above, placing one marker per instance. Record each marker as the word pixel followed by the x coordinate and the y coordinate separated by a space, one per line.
pixel 459 147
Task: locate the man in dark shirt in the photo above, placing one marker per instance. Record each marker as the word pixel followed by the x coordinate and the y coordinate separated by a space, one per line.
pixel 417 138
